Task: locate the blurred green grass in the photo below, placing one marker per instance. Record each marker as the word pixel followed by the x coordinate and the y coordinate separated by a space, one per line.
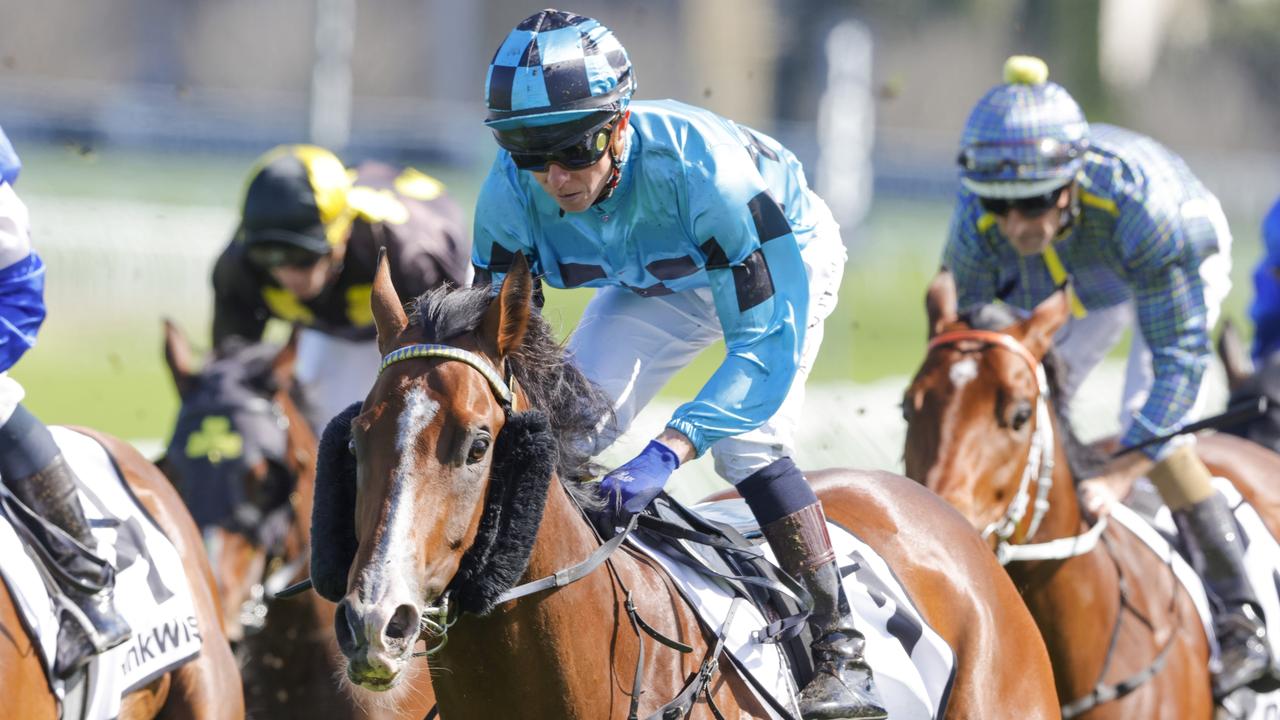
pixel 111 375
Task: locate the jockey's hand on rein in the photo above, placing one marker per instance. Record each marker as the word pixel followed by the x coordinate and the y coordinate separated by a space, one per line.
pixel 1113 484
pixel 628 489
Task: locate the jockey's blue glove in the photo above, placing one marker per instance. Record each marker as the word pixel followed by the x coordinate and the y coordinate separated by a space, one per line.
pixel 633 486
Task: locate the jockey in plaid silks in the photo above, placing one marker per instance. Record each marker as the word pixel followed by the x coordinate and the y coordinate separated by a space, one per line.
pixel 694 229
pixel 31 465
pixel 1140 227
pixel 1045 197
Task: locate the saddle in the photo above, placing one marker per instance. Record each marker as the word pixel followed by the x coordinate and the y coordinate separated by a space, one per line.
pixel 726 551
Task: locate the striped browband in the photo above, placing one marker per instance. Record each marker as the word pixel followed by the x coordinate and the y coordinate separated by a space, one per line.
pixel 447 352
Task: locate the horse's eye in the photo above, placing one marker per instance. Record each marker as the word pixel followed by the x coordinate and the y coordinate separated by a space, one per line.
pixel 1021 415
pixel 479 447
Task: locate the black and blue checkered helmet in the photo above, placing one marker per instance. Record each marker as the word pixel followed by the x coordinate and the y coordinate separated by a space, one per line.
pixel 557 78
pixel 1025 137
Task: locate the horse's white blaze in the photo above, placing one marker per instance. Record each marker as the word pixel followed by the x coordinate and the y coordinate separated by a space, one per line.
pixel 963 371
pixel 419 411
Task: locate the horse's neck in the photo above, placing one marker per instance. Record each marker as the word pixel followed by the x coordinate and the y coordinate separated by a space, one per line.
pixel 1064 594
pixel 550 652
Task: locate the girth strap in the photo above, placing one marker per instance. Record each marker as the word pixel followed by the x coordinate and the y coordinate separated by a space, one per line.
pixel 700 682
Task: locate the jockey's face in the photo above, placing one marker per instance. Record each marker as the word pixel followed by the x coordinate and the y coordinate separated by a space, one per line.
pixel 304 282
pixel 577 190
pixel 1030 233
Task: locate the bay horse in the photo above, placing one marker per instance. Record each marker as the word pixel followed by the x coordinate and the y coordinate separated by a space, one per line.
pixel 206 688
pixel 243 455
pixel 985 434
pixel 433 448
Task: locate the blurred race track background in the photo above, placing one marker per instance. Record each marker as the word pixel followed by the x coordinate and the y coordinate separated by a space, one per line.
pixel 138 119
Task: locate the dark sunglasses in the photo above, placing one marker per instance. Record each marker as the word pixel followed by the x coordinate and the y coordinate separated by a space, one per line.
pixel 1033 206
pixel 582 154
pixel 274 255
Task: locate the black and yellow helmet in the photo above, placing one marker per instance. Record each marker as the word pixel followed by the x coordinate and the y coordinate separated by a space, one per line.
pixel 297 197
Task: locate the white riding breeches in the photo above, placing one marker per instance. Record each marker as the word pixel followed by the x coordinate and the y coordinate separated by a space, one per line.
pixel 334 372
pixel 1083 342
pixel 11 395
pixel 631 346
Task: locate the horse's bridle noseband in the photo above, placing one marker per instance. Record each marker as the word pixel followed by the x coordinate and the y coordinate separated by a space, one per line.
pixel 1040 463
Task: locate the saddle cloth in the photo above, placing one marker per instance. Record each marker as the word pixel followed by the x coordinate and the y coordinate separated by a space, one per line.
pixel 151 590
pixel 1262 564
pixel 914 667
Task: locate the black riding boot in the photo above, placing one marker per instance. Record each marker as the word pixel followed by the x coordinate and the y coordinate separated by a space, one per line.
pixel 1217 553
pixel 87 580
pixel 842 686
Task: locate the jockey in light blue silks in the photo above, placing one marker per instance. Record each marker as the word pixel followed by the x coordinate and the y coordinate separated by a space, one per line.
pixel 694 229
pixel 31 465
pixel 1265 310
pixel 1044 196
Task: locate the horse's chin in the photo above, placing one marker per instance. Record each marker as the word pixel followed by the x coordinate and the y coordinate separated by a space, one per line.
pixel 379 674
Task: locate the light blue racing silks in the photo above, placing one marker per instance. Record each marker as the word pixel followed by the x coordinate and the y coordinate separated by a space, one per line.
pixel 702 202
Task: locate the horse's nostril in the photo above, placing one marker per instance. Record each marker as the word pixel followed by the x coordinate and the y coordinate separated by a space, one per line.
pixel 404 623
pixel 347 627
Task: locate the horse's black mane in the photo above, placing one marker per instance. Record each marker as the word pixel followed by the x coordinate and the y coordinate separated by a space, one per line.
pixel 575 407
pixel 1083 460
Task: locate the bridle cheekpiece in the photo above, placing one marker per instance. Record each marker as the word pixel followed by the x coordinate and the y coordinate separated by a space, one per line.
pixel 1040 463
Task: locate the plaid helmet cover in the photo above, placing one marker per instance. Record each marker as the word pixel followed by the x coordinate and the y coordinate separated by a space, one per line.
pixel 1022 140
pixel 557 67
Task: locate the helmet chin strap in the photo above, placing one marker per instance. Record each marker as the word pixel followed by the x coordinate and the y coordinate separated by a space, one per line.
pixel 1070 214
pixel 607 191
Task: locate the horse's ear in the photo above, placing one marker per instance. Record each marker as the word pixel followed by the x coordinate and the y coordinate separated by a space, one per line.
pixel 388 311
pixel 283 363
pixel 178 355
pixel 1045 321
pixel 1235 359
pixel 940 301
pixel 507 318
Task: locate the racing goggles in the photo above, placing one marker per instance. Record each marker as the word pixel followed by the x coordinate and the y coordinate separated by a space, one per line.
pixel 268 255
pixel 1031 207
pixel 574 146
pixel 1018 160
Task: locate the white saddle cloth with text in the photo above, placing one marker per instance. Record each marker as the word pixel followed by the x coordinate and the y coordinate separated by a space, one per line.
pixel 151 589
pixel 914 668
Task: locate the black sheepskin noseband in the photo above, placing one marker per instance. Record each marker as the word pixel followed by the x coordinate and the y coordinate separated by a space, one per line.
pixel 333 519
pixel 524 458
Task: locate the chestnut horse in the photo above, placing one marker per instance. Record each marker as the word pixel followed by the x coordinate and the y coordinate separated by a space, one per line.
pixel 429 445
pixel 983 434
pixel 206 687
pixel 253 501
